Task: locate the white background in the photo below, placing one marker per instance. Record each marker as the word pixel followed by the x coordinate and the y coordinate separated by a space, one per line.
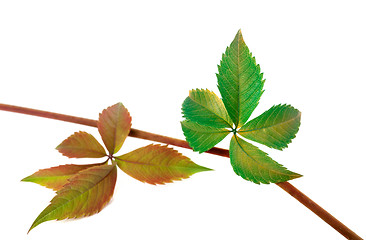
pixel 79 57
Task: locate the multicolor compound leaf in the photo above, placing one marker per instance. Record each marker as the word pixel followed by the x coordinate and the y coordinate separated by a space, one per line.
pixel 86 194
pixel 240 81
pixel 56 177
pixel 274 128
pixel 254 165
pixel 206 108
pixel 156 164
pixel 81 145
pixel 202 138
pixel 114 126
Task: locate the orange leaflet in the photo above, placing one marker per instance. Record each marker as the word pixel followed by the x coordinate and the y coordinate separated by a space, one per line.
pixel 81 145
pixel 114 125
pixel 157 164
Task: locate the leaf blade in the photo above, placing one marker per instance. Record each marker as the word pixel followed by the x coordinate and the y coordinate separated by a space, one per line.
pixel 114 125
pixel 56 177
pixel 206 108
pixel 202 138
pixel 240 81
pixel 86 194
pixel 156 164
pixel 274 128
pixel 81 145
pixel 254 165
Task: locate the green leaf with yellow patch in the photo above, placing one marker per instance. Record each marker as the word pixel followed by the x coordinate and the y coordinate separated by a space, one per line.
pixel 206 108
pixel 254 165
pixel 274 128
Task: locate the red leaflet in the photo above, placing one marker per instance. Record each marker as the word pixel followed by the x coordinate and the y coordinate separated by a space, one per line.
pixel 81 145
pixel 114 126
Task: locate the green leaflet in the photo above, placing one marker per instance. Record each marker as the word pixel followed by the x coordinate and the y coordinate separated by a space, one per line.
pixel 206 108
pixel 274 128
pixel 202 138
pixel 240 81
pixel 252 164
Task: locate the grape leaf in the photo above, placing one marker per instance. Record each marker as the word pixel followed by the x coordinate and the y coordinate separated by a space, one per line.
pixel 240 81
pixel 86 194
pixel 255 165
pixel 206 108
pixel 202 138
pixel 81 145
pixel 56 177
pixel 156 164
pixel 274 128
pixel 114 126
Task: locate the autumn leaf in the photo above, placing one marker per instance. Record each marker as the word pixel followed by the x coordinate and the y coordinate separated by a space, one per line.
pixel 83 190
pixel 56 177
pixel 114 125
pixel 156 164
pixel 86 194
pixel 81 145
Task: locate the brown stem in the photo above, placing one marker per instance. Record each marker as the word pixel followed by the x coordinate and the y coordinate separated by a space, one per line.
pixel 288 187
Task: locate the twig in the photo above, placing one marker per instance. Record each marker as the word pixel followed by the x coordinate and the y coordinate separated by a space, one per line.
pixel 288 187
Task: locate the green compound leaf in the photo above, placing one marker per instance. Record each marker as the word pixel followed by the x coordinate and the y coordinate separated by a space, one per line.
pixel 56 177
pixel 255 165
pixel 157 164
pixel 274 128
pixel 86 194
pixel 202 138
pixel 81 145
pixel 206 108
pixel 240 81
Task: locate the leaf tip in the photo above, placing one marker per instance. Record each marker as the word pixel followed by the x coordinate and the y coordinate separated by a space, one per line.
pixel 206 169
pixel 26 179
pixel 34 224
pixel 296 175
pixel 239 35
